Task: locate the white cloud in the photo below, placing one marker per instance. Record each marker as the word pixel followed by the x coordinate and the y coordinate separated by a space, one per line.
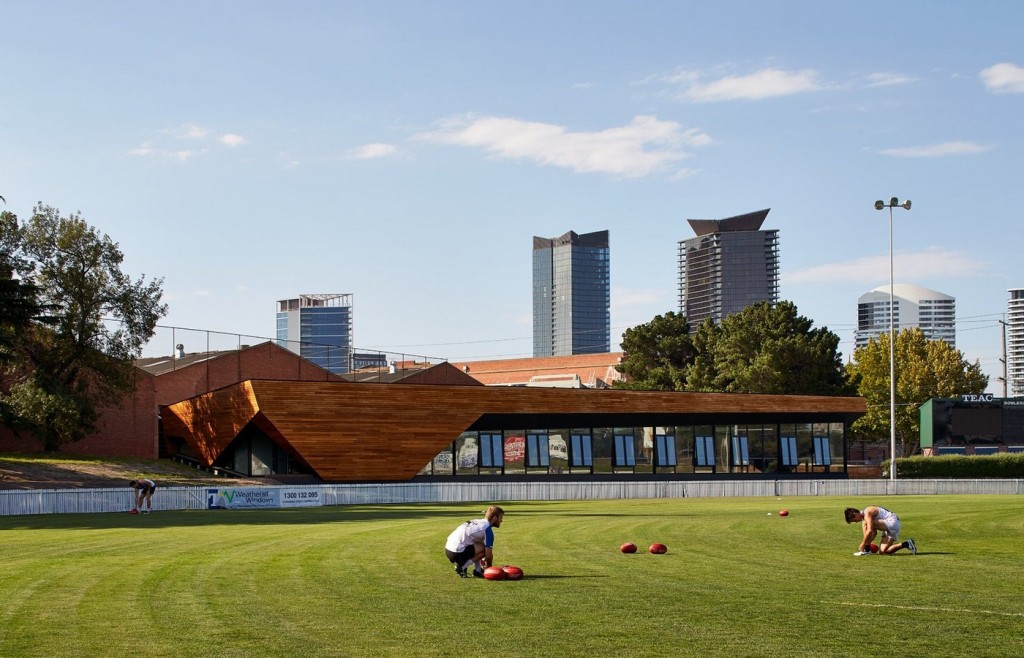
pixel 583 85
pixel 766 83
pixel 147 150
pixel 190 131
pixel 934 262
pixel 1004 78
pixel 888 79
pixel 937 150
pixel 370 151
pixel 640 148
pixel 232 140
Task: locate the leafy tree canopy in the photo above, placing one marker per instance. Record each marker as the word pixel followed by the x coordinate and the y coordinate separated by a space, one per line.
pixel 767 348
pixel 656 354
pixel 99 320
pixel 924 369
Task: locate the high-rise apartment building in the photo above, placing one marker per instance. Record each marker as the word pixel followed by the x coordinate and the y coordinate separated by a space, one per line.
pixel 934 313
pixel 571 295
pixel 317 328
pixel 730 265
pixel 1015 342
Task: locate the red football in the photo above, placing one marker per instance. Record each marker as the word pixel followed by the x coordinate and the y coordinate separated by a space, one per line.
pixel 134 511
pixel 494 573
pixel 512 572
pixel 783 512
pixel 874 548
pixel 628 547
pixel 659 549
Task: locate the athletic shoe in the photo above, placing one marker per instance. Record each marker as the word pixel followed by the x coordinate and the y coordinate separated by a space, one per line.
pixel 912 546
pixel 460 572
pixel 147 511
pixel 859 553
pixel 478 573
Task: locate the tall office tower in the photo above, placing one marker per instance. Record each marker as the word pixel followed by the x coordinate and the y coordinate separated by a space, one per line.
pixel 934 313
pixel 317 328
pixel 1015 342
pixel 730 265
pixel 571 295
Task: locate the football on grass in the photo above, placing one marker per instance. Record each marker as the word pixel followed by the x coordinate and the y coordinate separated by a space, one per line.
pixel 134 511
pixel 494 573
pixel 874 548
pixel 659 549
pixel 512 572
pixel 783 512
pixel 628 547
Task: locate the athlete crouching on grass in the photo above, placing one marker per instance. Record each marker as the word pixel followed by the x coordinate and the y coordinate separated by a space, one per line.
pixel 875 519
pixel 473 542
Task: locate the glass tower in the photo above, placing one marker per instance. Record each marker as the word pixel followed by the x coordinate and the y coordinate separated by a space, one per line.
pixel 317 328
pixel 571 295
pixel 730 265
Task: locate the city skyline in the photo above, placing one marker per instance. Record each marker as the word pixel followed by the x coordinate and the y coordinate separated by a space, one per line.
pixel 407 153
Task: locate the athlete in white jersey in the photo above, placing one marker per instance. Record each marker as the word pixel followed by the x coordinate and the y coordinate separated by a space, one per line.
pixel 473 542
pixel 874 519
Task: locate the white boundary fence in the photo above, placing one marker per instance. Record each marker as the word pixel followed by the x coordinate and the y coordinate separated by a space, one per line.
pixel 71 501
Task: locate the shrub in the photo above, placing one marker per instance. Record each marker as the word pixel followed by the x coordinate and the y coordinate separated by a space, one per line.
pixel 1000 465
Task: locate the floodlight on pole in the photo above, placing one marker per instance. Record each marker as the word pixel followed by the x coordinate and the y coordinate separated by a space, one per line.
pixel 894 202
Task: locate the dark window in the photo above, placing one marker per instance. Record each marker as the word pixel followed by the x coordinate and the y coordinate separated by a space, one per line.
pixel 665 449
pixel 579 452
pixel 491 455
pixel 537 450
pixel 625 455
pixel 789 455
pixel 705 450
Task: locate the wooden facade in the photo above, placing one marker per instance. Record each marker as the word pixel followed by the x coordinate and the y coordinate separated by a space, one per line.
pixel 354 432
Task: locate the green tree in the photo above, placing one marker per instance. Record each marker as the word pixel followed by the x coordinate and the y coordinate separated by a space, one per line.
pixel 924 369
pixel 101 318
pixel 767 348
pixel 656 354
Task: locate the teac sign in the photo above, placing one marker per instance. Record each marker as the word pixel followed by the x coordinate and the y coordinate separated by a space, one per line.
pixel 976 397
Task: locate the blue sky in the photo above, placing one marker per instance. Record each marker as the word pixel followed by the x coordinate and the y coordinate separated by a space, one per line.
pixel 407 152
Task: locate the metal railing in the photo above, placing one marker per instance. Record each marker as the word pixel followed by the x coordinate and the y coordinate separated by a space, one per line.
pixel 78 501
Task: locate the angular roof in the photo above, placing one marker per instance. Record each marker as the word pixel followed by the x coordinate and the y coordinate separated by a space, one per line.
pixel 346 431
pixel 751 221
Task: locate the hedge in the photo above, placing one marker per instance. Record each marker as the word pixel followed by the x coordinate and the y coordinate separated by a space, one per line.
pixel 1008 465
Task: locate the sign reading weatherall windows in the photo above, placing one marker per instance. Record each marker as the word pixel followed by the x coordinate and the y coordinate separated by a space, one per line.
pixel 262 498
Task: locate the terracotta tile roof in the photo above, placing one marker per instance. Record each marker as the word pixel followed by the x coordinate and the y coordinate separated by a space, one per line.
pixel 593 370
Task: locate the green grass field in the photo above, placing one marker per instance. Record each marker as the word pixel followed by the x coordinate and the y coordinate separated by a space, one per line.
pixel 372 580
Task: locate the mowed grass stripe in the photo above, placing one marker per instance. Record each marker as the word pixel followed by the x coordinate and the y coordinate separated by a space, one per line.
pixel 372 580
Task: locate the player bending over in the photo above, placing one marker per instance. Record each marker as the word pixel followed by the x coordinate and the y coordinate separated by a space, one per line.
pixel 473 543
pixel 874 519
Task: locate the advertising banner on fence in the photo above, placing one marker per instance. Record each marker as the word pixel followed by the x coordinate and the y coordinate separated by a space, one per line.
pixel 242 498
pixel 301 497
pixel 257 497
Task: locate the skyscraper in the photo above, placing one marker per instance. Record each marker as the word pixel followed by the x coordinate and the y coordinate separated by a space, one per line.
pixel 1015 342
pixel 317 328
pixel 934 313
pixel 730 265
pixel 571 295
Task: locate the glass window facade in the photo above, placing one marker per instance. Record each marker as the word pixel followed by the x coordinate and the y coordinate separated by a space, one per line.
pixel 730 265
pixel 318 328
pixel 571 295
pixel 755 448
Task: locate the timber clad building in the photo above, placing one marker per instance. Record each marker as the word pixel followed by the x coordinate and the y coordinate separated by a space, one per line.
pixel 263 411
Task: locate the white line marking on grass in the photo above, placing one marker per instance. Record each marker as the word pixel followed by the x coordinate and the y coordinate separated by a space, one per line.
pixel 925 609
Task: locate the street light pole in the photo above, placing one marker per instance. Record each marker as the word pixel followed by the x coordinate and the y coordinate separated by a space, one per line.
pixel 893 203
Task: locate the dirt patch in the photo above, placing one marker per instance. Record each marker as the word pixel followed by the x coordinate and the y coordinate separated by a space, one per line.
pixel 53 473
